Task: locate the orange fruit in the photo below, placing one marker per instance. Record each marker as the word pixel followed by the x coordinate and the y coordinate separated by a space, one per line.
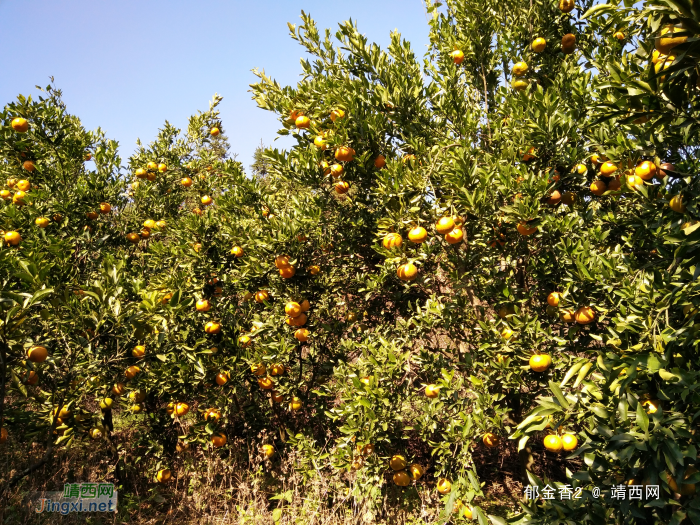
pixel 258 369
pixel 288 273
pixel 295 404
pixel 445 225
pixel 237 251
pixel 276 370
pixel 206 200
pixel 645 170
pixel 28 165
pixel 397 462
pixel 20 125
pixel 392 240
pixel 218 440
pixel 32 378
pixel 132 371
pixel 615 184
pixel 568 198
pixel 203 305
pixel 567 5
pixel 163 475
pixel 619 35
pixel 455 236
pixel 652 406
pixel 540 362
pixel 325 167
pixel 186 182
pixel 212 328
pixel 92 215
pixel 37 354
pixel 302 335
pixel 162 168
pixel 336 114
pixel 336 170
pixel 314 270
pixel 520 84
pixel 568 43
pixel 523 229
pixel 490 440
pixel 432 391
pixel 444 486
pixel 222 378
pixel 302 122
pixel 633 181
pixel 282 261
pixel 507 333
pixel 342 187
pixel 457 56
pixel 181 409
pixel 553 299
pixel 133 237
pixel 407 272
pixel 139 351
pixel 265 383
pixel 151 166
pixel 41 222
pixel 268 451
pixel 417 234
pixel 585 315
pixel 305 305
pixel 140 173
pixel 667 41
pixel 23 185
pixel 598 187
pixel 538 45
pixel 401 478
pixel 277 398
pixel 214 132
pixel 608 168
pixel 567 316
pixel 261 296
pixel 380 162
pixel 6 194
pixel 569 442
pixel 552 443
pixel 244 341
pixel 520 69
pixel 292 309
pixel 320 142
pixel 415 471
pixel 298 321
pixel 676 204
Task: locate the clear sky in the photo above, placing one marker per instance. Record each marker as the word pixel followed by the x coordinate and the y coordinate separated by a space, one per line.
pixel 128 65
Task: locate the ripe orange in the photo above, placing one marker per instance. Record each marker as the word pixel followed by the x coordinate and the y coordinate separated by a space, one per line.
pixel 342 187
pixel 305 305
pixel 652 406
pixel 553 443
pixel 520 69
pixel 380 162
pixel 569 442
pixel 667 41
pixel 28 165
pixel 140 173
pixel 282 261
pixel 598 187
pixel 276 370
pixel 444 486
pixel 222 378
pixel 139 351
pixel 615 184
pixel 302 122
pixel 181 409
pixel 298 321
pixel 132 371
pixel 151 176
pixel 133 237
pixel 619 35
pixel 244 341
pixel 445 225
pixel 162 168
pixel 314 270
pixel 32 378
pixel 92 215
pixel 295 404
pixel 608 168
pixel 292 309
pixel 567 316
pixel 397 462
pixel 645 170
pixel 206 200
pixel 417 234
pixel 457 56
pixel 41 222
pixel 455 236
pixel 432 391
pixel 214 132
pixel 490 440
pixel 118 389
pixel 538 45
pixel 151 166
pixel 288 273
pixel 265 383
pixel 261 296
pixel 407 272
pixel 18 198
pixel 20 125
pixel 277 398
pixel 258 369
pixel 163 475
pixel 676 204
pixel 268 451
pixel 523 229
pixel 336 114
pixel 302 335
pixel 203 305
pixel 392 240
pixel 212 328
pixel 415 471
pixel 520 84
pixel 37 354
pixel 325 167
pixel 401 478
pixel 23 185
pixel 553 299
pixel 568 43
pixel 320 142
pixel 186 182
pixel 585 315
pixel 506 333
pixel 540 362
pixel 336 170
pixel 567 5
pixel 527 157
pixel 218 440
pixel 5 194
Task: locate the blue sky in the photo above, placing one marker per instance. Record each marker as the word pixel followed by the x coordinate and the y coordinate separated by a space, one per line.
pixel 128 65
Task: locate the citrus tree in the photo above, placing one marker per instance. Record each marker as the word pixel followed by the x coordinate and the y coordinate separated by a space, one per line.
pixel 490 249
